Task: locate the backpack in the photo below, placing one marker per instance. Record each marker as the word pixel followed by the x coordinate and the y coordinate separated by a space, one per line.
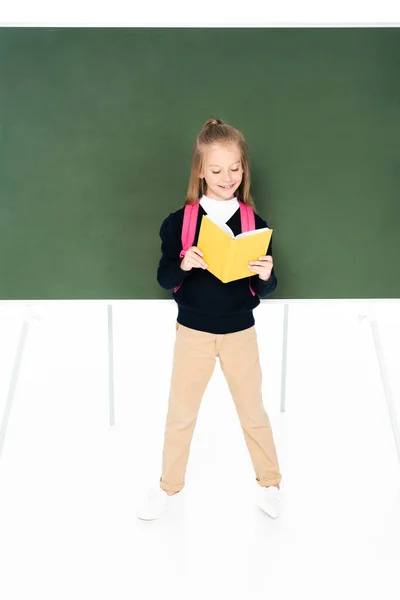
pixel 190 216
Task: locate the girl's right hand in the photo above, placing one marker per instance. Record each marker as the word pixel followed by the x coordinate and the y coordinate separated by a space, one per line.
pixel 192 259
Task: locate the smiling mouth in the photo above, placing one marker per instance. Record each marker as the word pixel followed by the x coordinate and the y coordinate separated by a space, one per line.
pixel 227 187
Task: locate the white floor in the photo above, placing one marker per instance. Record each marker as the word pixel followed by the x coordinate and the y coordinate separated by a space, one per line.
pixel 69 482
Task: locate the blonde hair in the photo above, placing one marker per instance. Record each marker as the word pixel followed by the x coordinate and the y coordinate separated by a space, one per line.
pixel 216 132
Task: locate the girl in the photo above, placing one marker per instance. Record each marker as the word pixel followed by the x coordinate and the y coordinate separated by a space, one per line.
pixel 214 319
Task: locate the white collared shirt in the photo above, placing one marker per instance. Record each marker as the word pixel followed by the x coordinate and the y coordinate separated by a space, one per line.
pixel 219 211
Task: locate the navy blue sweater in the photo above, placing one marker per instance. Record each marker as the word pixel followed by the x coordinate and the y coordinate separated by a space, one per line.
pixel 204 302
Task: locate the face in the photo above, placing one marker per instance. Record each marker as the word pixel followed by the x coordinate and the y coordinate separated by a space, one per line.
pixel 222 172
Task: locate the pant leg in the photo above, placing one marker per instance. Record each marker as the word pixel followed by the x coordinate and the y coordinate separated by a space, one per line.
pixel 193 364
pixel 240 364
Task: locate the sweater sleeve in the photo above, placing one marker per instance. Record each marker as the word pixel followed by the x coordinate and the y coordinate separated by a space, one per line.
pixel 169 272
pixel 264 288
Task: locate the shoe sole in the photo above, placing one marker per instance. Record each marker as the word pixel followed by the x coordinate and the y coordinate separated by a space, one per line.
pixel 142 518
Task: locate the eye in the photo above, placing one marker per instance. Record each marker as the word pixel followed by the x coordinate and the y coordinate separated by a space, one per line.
pixel 215 172
pixel 235 169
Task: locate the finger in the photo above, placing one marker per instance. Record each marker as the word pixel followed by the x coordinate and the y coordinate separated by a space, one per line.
pixel 259 270
pixel 263 259
pixel 256 269
pixel 193 254
pixel 197 262
pixel 257 263
pixel 196 250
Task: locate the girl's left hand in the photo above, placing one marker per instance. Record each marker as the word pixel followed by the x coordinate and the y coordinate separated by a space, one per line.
pixel 263 266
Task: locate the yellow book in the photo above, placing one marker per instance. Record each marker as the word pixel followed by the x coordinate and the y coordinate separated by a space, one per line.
pixel 228 256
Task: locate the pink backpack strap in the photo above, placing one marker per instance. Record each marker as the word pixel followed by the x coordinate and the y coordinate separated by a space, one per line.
pixel 190 215
pixel 247 218
pixel 248 222
pixel 191 212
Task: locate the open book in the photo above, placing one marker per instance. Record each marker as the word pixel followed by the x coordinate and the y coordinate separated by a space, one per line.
pixel 228 256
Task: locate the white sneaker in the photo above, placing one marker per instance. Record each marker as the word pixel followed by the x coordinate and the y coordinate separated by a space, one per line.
pixel 269 499
pixel 156 503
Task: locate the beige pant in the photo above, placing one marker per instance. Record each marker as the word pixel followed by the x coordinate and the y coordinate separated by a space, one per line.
pixel 194 361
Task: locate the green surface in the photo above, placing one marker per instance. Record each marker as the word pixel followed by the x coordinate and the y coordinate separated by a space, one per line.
pixel 97 129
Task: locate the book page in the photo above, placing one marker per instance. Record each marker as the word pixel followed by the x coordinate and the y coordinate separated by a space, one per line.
pixel 227 229
pixel 253 232
pixel 222 226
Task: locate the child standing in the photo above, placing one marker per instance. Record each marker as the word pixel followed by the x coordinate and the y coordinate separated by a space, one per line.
pixel 214 319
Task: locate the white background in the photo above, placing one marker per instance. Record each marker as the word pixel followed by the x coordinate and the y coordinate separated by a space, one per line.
pixel 69 482
pixel 205 13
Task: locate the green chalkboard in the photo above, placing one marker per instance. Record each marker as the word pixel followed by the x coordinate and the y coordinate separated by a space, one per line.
pixel 96 132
